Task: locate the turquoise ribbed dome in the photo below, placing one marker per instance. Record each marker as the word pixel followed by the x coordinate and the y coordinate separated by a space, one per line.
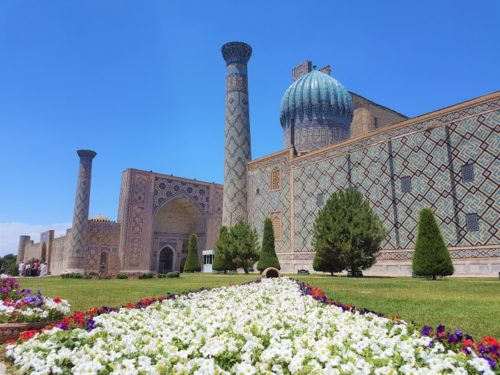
pixel 316 95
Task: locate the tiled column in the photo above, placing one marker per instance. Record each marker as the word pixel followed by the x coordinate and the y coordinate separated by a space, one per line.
pixel 237 133
pixel 78 245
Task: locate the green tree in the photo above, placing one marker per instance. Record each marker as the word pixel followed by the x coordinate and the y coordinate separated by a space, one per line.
pixel 347 234
pixel 223 259
pixel 244 242
pixel 192 261
pixel 8 264
pixel 431 256
pixel 267 256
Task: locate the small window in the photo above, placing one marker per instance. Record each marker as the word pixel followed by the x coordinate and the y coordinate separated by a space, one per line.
pixel 257 192
pixel 468 172
pixel 472 222
pixel 276 227
pixel 320 199
pixel 375 122
pixel 275 179
pixel 406 184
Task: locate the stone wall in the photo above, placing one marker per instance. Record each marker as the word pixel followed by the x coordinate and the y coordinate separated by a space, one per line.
pixel 102 247
pixel 369 116
pixel 59 259
pixel 400 169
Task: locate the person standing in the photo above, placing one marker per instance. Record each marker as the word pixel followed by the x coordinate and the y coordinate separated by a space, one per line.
pixel 27 269
pixel 43 269
pixel 21 268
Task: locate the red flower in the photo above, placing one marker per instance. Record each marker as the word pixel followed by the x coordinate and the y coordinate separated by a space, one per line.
pixel 468 343
pixel 57 300
pixel 10 341
pixel 26 335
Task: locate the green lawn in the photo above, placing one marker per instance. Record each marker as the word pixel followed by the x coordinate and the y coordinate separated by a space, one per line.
pixel 471 304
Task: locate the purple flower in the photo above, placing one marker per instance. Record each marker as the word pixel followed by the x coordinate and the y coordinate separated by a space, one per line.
pixel 90 324
pixel 426 331
pixel 440 328
pixel 459 334
pixel 452 339
pixel 63 326
pixel 491 362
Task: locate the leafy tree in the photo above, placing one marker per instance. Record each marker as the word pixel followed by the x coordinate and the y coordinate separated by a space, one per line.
pixel 268 256
pixel 431 256
pixel 347 234
pixel 8 264
pixel 223 260
pixel 244 242
pixel 192 261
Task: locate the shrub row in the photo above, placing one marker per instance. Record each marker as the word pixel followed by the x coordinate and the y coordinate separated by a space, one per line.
pixel 121 275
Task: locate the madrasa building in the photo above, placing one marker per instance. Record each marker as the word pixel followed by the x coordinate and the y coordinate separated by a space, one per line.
pixel 333 139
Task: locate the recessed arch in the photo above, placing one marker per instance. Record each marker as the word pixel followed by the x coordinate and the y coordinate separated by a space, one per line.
pixel 166 259
pixel 179 215
pixel 103 263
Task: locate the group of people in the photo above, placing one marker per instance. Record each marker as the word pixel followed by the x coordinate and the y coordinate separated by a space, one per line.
pixel 33 268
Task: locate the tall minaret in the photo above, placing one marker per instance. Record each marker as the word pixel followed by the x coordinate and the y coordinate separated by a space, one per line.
pixel 237 133
pixel 78 243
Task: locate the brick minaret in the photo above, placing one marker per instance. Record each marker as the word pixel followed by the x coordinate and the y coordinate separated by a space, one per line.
pixel 23 240
pixel 237 133
pixel 81 213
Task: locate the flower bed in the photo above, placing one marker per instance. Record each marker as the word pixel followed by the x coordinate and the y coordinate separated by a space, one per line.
pixel 22 305
pixel 275 326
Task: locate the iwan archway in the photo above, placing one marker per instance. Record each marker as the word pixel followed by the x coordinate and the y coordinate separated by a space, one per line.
pixel 174 222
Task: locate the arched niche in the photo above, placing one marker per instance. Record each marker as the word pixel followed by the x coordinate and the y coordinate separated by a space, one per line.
pixel 166 260
pixel 179 216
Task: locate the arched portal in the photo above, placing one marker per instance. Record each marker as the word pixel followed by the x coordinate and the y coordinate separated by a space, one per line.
pixel 43 257
pixel 103 263
pixel 166 260
pixel 174 222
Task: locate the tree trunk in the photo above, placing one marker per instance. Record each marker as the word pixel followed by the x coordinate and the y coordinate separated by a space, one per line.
pixel 433 277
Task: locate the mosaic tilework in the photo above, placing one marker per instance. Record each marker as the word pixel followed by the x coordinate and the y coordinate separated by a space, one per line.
pixel 262 202
pixel 477 140
pixel 423 156
pixel 321 177
pixel 81 211
pixel 371 175
pixel 423 151
pixel 464 253
pixel 166 189
pixel 237 133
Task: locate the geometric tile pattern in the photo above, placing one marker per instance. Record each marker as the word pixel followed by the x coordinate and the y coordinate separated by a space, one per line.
pixel 424 157
pixel 431 152
pixel 166 189
pixel 81 211
pixel 477 140
pixel 237 133
pixel 463 253
pixel 264 202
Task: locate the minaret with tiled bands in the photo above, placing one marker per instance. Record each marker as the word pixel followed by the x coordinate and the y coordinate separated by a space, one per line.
pixel 237 133
pixel 76 259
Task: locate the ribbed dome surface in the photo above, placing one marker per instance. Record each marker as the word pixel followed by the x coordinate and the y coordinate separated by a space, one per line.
pixel 320 95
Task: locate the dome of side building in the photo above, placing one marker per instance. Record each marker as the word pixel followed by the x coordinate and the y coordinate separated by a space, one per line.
pixel 316 111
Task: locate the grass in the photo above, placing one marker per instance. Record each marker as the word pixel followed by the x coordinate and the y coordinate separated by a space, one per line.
pixel 471 304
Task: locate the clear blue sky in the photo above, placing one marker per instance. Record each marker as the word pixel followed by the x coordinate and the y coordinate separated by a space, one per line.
pixel 142 83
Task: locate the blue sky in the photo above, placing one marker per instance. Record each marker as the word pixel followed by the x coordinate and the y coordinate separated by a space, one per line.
pixel 142 83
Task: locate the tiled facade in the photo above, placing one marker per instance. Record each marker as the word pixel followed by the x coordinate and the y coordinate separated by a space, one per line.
pixel 427 153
